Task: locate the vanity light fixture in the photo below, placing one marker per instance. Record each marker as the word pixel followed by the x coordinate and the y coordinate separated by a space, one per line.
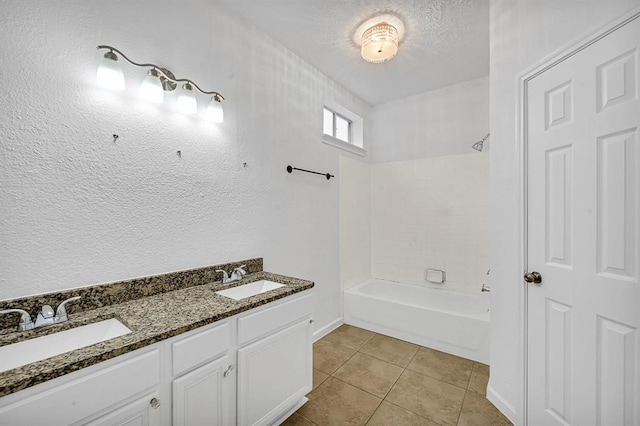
pixel 379 38
pixel 157 81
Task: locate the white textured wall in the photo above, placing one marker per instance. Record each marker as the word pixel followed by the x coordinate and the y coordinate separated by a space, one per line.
pixel 355 222
pixel 77 209
pixel 441 122
pixel 431 213
pixel 522 34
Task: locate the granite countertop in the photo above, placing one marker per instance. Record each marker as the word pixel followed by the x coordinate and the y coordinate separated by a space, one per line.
pixel 152 319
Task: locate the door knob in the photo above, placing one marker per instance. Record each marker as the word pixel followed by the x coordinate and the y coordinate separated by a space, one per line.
pixel 533 277
pixel 154 403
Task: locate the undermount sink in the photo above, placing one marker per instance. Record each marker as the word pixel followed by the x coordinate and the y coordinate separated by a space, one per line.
pixel 32 350
pixel 251 289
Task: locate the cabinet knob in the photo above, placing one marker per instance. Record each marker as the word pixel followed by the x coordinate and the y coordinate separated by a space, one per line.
pixel 229 370
pixel 154 403
pixel 311 321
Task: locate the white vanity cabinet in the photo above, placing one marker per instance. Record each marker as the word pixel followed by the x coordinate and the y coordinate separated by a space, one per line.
pixel 251 369
pixel 274 361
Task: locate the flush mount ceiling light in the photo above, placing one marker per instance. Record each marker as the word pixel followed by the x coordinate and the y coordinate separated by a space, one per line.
pixel 157 81
pixel 379 38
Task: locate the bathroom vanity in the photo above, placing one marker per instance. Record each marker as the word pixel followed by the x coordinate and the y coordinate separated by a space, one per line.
pixel 193 357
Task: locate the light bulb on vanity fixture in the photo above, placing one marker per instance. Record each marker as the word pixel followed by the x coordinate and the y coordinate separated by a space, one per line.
pixel 215 113
pixel 109 74
pixel 186 102
pixel 157 81
pixel 151 88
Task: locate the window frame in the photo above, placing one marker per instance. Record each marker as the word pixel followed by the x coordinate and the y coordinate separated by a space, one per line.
pixel 355 145
pixel 334 121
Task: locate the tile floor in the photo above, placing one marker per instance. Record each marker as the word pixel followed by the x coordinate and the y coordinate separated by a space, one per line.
pixel 365 378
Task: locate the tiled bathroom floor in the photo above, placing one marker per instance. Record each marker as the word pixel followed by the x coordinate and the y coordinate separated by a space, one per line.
pixel 364 378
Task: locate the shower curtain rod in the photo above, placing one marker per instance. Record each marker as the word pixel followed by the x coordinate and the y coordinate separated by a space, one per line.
pixel 327 175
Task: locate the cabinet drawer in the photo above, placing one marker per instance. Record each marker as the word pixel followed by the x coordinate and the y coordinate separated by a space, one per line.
pixel 258 324
pixel 87 394
pixel 200 347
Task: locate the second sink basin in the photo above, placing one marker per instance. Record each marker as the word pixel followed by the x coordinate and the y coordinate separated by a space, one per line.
pixel 251 289
pixel 32 350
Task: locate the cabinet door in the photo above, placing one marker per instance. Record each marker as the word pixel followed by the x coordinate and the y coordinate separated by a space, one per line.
pixel 202 397
pixel 143 412
pixel 274 374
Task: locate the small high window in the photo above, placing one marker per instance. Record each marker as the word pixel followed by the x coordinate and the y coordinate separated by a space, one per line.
pixel 343 129
pixel 337 126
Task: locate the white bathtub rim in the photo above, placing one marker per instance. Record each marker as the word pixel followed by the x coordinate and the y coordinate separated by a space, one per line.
pixel 481 317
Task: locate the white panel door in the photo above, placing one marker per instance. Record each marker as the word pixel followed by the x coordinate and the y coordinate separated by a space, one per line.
pixel 583 174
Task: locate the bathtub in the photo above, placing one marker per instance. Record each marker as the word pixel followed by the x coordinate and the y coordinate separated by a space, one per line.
pixel 452 322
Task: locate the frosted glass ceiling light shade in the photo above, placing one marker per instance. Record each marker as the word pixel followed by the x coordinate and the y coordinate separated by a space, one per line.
pixel 151 88
pixel 109 74
pixel 186 102
pixel 215 113
pixel 379 43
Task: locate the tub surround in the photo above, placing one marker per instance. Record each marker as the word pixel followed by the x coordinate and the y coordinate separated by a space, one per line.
pixel 154 308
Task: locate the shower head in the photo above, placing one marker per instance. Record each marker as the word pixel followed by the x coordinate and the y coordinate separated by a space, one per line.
pixel 478 145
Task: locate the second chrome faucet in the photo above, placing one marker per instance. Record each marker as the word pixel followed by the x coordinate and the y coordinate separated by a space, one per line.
pixel 236 275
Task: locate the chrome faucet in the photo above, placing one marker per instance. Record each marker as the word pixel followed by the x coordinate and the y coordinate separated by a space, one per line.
pixel 45 316
pixel 236 275
pixel 25 319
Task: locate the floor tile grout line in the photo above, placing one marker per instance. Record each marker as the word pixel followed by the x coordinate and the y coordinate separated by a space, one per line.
pixel 461 406
pixel 413 412
pixel 473 367
pixel 352 385
pixel 436 378
pixel 309 420
pixel 386 360
pixel 374 411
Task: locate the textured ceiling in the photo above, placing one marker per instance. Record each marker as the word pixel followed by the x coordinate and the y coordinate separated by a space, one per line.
pixel 445 41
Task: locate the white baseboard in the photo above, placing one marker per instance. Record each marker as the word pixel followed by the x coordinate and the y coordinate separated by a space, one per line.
pixel 319 334
pixel 290 412
pixel 503 406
